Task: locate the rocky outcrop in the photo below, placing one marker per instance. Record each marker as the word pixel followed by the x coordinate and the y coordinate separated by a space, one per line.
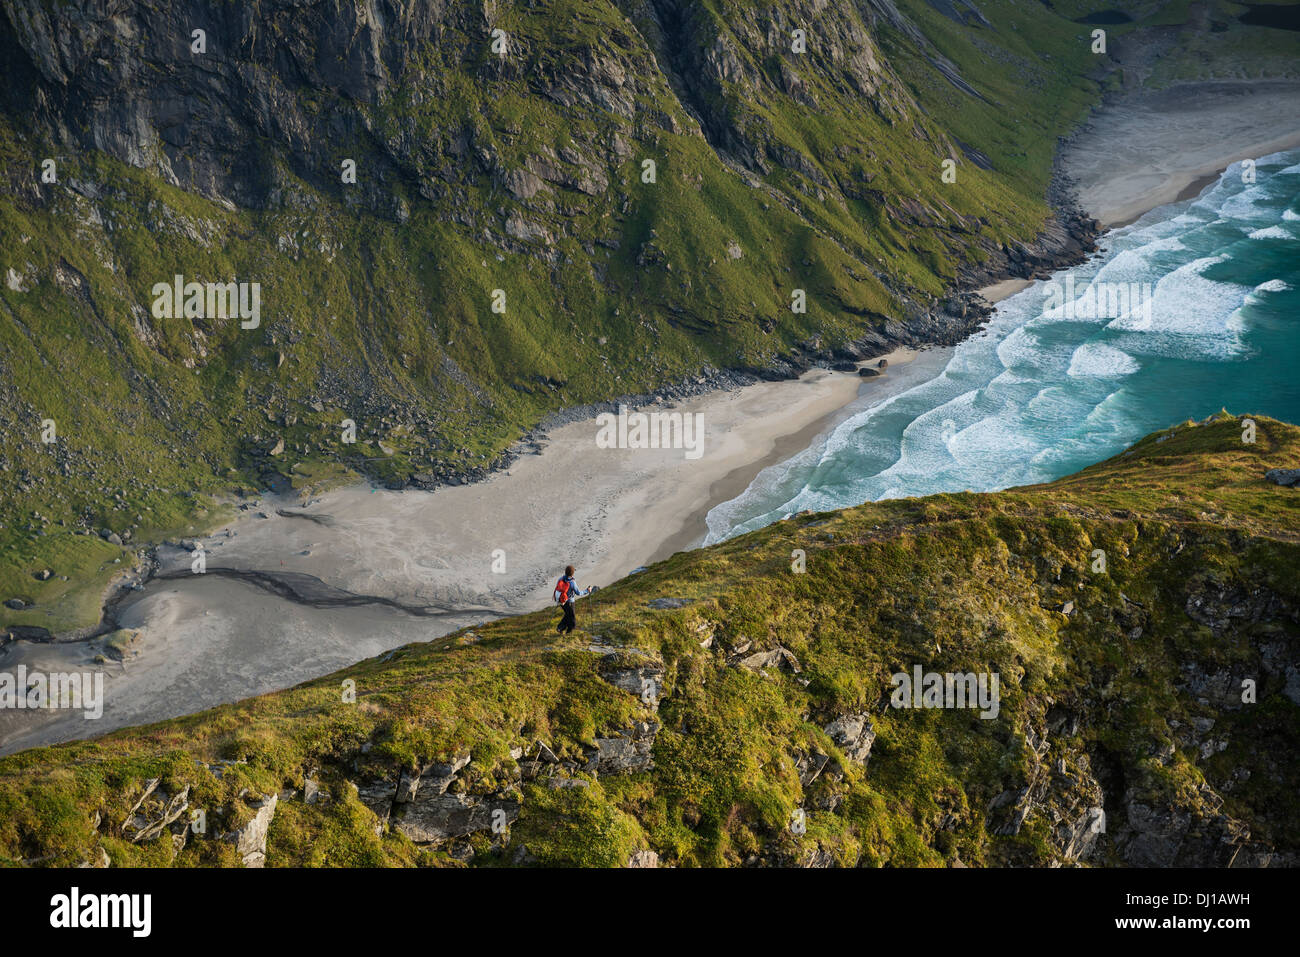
pixel 154 813
pixel 433 779
pixel 250 838
pixel 854 735
pixel 1285 477
pixel 435 818
pixel 761 661
pixel 627 751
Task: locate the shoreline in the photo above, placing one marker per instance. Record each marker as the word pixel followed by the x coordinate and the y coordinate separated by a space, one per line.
pixel 211 639
pixel 1145 150
pixel 225 635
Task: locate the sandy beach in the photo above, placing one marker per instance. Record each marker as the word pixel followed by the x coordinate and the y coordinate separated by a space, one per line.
pixel 437 561
pixel 459 555
pixel 1151 149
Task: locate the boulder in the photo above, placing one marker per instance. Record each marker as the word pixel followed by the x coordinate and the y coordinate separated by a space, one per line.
pixel 778 657
pixel 154 813
pixel 628 751
pixel 379 797
pixel 250 840
pixel 643 680
pixel 809 766
pixel 434 818
pixel 854 735
pixel 433 778
pixel 1284 477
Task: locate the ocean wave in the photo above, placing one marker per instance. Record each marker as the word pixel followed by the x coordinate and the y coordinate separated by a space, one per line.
pixel 1098 360
pixel 1188 314
pixel 1041 393
pixel 1272 232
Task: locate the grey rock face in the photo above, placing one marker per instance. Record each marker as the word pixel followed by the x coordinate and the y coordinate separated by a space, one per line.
pixel 644 681
pixel 1286 477
pixel 379 797
pixel 854 735
pixel 809 766
pixel 629 751
pixel 434 818
pixel 250 840
pixel 1180 836
pixel 777 657
pixel 433 779
pixel 154 813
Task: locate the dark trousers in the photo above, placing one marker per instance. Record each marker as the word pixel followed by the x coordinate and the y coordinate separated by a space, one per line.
pixel 568 622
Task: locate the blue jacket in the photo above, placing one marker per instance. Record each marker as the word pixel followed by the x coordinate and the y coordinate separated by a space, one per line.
pixel 573 587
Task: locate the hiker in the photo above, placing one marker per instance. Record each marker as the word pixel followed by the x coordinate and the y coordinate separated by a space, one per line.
pixel 566 592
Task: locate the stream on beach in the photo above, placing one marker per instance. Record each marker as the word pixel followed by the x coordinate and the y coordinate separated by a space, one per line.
pixel 1201 301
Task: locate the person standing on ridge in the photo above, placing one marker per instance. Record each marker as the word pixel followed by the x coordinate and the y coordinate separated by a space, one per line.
pixel 566 592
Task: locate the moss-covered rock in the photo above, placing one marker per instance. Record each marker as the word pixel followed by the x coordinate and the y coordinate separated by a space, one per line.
pixel 1148 710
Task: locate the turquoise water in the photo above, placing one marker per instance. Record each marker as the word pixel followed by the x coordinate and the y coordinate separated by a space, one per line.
pixel 1211 321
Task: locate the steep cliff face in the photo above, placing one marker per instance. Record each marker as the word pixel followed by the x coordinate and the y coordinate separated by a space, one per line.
pixel 135 81
pixel 725 708
pixel 461 217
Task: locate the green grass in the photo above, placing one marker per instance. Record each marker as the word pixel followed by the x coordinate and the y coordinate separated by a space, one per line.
pixel 961 582
pixel 375 299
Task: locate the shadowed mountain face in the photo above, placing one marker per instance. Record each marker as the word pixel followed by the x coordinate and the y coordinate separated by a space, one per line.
pixel 458 218
pixel 299 82
pixel 1118 683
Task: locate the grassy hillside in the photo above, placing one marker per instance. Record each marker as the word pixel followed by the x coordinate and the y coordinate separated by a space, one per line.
pixel 476 172
pixel 708 702
pixel 521 171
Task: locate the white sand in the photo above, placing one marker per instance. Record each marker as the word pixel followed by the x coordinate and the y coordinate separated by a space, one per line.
pixel 606 511
pixel 1148 150
pixel 1003 289
pixel 210 639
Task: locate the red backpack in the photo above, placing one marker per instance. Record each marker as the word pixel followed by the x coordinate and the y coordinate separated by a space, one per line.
pixel 562 588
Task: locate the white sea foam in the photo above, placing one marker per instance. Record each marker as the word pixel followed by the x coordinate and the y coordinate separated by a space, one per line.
pixel 1252 203
pixel 1272 232
pixel 1037 395
pixel 1098 360
pixel 1189 314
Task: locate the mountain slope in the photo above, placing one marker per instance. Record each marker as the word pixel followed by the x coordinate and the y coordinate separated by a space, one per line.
pixel 136 159
pixel 722 709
